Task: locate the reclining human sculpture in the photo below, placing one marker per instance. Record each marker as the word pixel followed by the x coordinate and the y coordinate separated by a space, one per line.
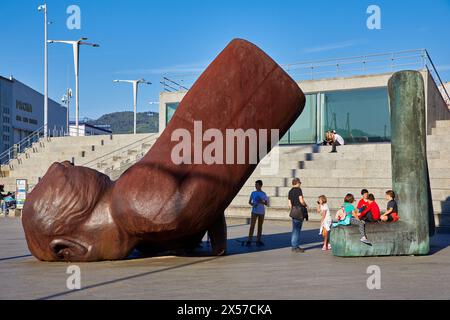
pixel 78 214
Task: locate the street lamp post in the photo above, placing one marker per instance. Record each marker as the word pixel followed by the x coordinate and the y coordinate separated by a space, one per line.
pixel 135 92
pixel 66 100
pixel 44 9
pixel 76 59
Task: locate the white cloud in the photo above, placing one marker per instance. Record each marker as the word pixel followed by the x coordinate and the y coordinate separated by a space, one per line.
pixel 331 46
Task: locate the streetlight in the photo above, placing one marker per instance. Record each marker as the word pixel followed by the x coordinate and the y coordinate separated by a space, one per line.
pixel 76 50
pixel 44 9
pixel 135 92
pixel 66 100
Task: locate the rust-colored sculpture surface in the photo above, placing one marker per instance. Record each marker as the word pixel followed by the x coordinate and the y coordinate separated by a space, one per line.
pixel 78 214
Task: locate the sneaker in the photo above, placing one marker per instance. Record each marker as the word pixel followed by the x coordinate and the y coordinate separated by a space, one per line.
pixel 329 246
pixel 324 248
pixel 364 240
pixel 298 249
pixel 260 243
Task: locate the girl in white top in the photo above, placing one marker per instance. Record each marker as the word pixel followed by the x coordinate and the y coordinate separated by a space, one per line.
pixel 325 221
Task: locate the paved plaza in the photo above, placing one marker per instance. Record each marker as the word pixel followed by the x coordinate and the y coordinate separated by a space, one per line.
pixel 270 272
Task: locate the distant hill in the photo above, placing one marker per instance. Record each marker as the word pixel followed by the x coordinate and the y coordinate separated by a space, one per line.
pixel 122 122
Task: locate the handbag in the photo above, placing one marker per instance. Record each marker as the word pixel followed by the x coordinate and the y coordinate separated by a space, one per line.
pixel 297 212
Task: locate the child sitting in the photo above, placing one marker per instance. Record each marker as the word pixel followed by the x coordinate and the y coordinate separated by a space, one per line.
pixel 348 215
pixel 363 202
pixel 391 214
pixel 371 212
pixel 325 221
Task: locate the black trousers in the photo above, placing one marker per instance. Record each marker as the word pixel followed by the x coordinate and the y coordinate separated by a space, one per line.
pixel 368 217
pixel 335 144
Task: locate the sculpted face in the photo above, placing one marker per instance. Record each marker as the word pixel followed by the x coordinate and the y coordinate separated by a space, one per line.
pixel 67 217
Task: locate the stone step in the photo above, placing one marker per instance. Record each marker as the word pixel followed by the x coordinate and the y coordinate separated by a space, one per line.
pixel 273 213
pixel 440 131
pixel 443 124
pixel 358 183
pixel 379 193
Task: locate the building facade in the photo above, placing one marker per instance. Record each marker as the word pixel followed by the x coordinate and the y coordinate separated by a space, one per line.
pixel 23 112
pixel 356 107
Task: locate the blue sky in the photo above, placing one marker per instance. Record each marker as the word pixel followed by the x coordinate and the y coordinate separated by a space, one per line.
pixel 146 38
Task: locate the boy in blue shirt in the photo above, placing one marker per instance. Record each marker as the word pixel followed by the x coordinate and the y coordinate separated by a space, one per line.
pixel 258 201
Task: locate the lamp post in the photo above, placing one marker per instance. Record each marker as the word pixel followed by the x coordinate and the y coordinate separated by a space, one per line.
pixel 66 100
pixel 76 59
pixel 44 9
pixel 135 92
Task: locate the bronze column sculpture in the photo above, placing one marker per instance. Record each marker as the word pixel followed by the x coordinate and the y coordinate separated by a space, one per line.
pixel 409 236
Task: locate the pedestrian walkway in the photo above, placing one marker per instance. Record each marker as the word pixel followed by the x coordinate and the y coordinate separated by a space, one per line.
pixel 269 272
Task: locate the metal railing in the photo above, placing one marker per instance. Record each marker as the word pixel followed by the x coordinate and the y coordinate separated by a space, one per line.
pixel 418 59
pixel 107 161
pixel 13 152
pixel 26 143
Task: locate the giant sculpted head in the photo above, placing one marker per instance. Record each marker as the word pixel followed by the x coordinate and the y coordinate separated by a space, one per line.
pixel 78 214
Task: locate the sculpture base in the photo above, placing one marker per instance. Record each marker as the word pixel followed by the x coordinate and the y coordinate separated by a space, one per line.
pixel 387 239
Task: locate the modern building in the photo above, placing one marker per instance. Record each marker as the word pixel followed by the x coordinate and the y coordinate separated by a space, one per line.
pixel 22 112
pixel 86 129
pixel 348 95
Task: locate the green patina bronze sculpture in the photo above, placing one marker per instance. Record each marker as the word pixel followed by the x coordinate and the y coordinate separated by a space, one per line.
pixel 410 180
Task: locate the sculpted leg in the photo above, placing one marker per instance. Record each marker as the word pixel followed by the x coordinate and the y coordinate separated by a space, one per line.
pixel 218 236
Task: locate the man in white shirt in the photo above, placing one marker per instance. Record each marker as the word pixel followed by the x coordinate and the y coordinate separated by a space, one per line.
pixel 337 141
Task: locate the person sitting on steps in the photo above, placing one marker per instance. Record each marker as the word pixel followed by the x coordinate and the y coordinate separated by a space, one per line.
pixel 337 141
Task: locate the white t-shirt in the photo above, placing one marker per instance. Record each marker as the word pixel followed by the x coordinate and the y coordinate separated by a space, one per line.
pixel 339 139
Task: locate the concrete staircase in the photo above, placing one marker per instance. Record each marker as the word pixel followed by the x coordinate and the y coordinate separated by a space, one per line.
pixel 99 152
pixel 335 174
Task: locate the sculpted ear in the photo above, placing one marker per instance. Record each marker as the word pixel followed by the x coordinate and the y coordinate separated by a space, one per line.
pixel 64 198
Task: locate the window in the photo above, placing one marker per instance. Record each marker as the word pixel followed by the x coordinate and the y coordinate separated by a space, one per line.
pixel 170 110
pixel 33 121
pixel 24 106
pixel 304 130
pixel 18 118
pixel 358 115
pixel 25 120
pixel 5 119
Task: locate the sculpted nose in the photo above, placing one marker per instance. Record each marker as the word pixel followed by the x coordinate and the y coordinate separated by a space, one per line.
pixel 67 250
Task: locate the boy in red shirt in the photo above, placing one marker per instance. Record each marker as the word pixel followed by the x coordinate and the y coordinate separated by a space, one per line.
pixel 363 203
pixel 372 212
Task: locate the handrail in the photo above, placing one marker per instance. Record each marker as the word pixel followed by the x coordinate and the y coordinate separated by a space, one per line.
pixel 110 155
pixel 417 59
pixel 439 77
pixel 12 152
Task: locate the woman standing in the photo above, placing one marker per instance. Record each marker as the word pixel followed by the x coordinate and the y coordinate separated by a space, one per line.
pixel 298 213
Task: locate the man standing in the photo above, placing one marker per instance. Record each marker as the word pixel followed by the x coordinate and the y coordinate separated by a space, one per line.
pixel 258 201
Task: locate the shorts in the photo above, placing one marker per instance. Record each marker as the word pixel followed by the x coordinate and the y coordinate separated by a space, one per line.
pixel 393 217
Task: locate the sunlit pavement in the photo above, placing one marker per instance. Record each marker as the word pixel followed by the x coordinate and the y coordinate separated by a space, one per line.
pixel 269 272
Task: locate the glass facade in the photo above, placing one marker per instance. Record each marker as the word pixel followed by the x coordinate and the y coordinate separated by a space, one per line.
pixel 170 110
pixel 358 115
